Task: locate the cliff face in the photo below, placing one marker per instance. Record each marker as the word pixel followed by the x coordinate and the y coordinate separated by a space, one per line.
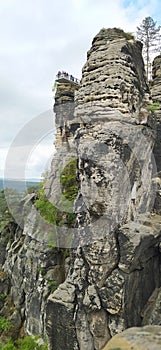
pixel 156 96
pixel 113 80
pixel 116 265
pixel 30 269
pixel 33 257
pixel 94 269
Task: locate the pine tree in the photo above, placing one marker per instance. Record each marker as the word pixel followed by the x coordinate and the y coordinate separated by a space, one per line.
pixel 149 34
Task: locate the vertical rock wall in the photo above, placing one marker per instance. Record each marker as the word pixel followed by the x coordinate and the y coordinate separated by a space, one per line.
pixel 65 152
pixel 112 279
pixel 115 264
pixel 156 96
pixel 30 269
pixel 33 257
pixel 64 113
pixel 65 129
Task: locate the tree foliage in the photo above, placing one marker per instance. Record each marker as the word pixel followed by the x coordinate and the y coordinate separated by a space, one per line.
pixel 26 343
pixel 68 180
pixel 69 192
pixel 149 34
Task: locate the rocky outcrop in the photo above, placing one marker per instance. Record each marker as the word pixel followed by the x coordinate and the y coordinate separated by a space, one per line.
pixel 145 338
pixel 113 80
pixel 151 313
pixel 66 127
pixel 93 268
pixel 34 257
pixel 64 114
pixel 31 268
pixel 156 96
pixel 115 264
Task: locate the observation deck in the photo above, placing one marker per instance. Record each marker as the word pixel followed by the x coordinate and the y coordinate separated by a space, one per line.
pixel 63 77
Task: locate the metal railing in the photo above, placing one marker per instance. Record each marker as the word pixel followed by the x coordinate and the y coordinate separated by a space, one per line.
pixel 67 76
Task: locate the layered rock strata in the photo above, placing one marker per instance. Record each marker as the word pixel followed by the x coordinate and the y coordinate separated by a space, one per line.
pixel 156 96
pixel 66 127
pixel 116 265
pixel 111 281
pixel 113 81
pixel 30 269
pixel 33 257
pixel 64 113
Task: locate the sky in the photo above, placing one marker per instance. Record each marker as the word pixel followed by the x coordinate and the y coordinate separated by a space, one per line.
pixel 38 38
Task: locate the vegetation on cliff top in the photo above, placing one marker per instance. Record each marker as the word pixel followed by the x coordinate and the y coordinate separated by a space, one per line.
pixel 126 35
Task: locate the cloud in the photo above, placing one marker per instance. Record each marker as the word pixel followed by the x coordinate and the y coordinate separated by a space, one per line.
pixel 137 10
pixel 31 148
pixel 39 160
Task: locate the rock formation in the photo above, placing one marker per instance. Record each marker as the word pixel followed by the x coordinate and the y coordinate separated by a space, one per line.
pixel 31 268
pixel 115 261
pixel 33 257
pixel 156 96
pixel 93 269
pixel 141 338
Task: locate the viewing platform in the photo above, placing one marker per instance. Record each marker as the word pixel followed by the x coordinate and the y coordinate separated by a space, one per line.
pixel 63 77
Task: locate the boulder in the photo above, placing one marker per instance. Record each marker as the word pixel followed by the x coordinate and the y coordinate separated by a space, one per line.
pixel 137 338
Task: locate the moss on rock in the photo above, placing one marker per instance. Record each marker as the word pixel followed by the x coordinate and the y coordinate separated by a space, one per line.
pixel 68 180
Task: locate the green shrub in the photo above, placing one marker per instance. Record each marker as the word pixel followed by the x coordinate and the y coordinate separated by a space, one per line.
pixel 68 180
pixel 52 285
pixel 30 343
pixel 5 324
pixel 69 189
pixel 26 343
pixel 3 296
pixel 48 211
pixel 154 106
pixel 9 346
pixel 51 214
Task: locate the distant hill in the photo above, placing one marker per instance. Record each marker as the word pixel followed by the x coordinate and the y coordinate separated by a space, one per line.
pixel 19 185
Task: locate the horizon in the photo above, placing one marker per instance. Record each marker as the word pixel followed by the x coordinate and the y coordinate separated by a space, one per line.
pixel 16 179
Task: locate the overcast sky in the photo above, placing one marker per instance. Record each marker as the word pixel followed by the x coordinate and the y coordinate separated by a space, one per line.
pixel 38 38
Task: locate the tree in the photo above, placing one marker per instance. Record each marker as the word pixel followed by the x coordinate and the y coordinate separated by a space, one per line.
pixel 149 34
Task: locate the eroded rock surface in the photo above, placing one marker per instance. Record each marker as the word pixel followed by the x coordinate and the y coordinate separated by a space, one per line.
pixel 111 281
pixel 113 78
pixel 143 338
pixel 116 265
pixel 31 268
pixel 156 96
